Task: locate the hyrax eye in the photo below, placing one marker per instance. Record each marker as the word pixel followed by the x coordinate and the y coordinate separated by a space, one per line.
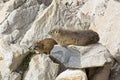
pixel 50 32
pixel 56 32
pixel 35 47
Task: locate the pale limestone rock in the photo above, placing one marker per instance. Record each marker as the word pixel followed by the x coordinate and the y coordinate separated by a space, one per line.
pixel 12 56
pixel 1 5
pixel 95 7
pixel 15 76
pixel 23 21
pixel 57 14
pixel 17 15
pixel 41 67
pixel 94 55
pixel 108 28
pixel 72 75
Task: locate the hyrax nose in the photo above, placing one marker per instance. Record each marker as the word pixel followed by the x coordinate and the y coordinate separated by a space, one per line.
pixel 35 47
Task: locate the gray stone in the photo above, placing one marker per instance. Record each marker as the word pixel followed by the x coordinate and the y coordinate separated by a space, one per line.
pixel 94 55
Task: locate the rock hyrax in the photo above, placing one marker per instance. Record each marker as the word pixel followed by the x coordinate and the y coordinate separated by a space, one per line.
pixel 68 37
pixel 44 46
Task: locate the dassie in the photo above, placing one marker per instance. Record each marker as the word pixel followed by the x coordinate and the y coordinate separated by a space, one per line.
pixel 79 37
pixel 44 46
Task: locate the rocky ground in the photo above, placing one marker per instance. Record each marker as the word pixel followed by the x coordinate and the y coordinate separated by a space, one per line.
pixel 24 21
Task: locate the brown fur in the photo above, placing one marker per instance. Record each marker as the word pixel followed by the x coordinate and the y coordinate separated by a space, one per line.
pixel 68 37
pixel 44 46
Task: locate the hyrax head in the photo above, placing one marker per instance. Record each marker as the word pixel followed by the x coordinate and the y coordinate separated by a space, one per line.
pixel 38 46
pixel 55 32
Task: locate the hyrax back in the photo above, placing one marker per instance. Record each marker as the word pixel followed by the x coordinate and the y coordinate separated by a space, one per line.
pixel 45 45
pixel 80 37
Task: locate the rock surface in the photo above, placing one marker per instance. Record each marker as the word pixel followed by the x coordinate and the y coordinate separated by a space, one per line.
pixel 94 55
pixel 11 57
pixel 15 76
pixel 72 75
pixel 41 67
pixel 24 21
pixel 107 27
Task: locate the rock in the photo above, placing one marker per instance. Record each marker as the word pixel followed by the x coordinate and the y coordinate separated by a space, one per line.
pixel 115 71
pixel 14 17
pixel 15 76
pixel 72 75
pixel 107 28
pixel 1 5
pixel 0 76
pixel 45 2
pixel 12 56
pixel 57 14
pixel 99 73
pixel 93 55
pixel 41 67
pixel 24 21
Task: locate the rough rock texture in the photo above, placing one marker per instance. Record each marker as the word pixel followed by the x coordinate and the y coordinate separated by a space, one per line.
pixel 82 56
pixel 15 76
pixel 115 71
pixel 56 15
pixel 107 27
pixel 11 56
pixel 72 75
pixel 96 58
pixel 41 67
pixel 16 17
pixel 24 21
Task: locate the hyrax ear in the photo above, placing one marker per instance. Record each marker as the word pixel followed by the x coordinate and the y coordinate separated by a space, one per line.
pixel 50 32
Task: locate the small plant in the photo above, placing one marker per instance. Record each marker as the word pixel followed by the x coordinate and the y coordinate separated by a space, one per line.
pixel 25 63
pixel 5 1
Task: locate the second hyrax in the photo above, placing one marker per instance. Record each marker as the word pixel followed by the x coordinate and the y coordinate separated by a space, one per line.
pixel 68 37
pixel 44 46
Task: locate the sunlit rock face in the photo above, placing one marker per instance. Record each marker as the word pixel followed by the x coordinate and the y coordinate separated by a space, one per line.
pixel 10 58
pixel 72 75
pixel 41 67
pixel 24 21
pixel 107 27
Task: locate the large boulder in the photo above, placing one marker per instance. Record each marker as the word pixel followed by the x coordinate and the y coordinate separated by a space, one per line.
pixel 94 55
pixel 72 75
pixel 107 28
pixel 11 57
pixel 24 21
pixel 41 67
